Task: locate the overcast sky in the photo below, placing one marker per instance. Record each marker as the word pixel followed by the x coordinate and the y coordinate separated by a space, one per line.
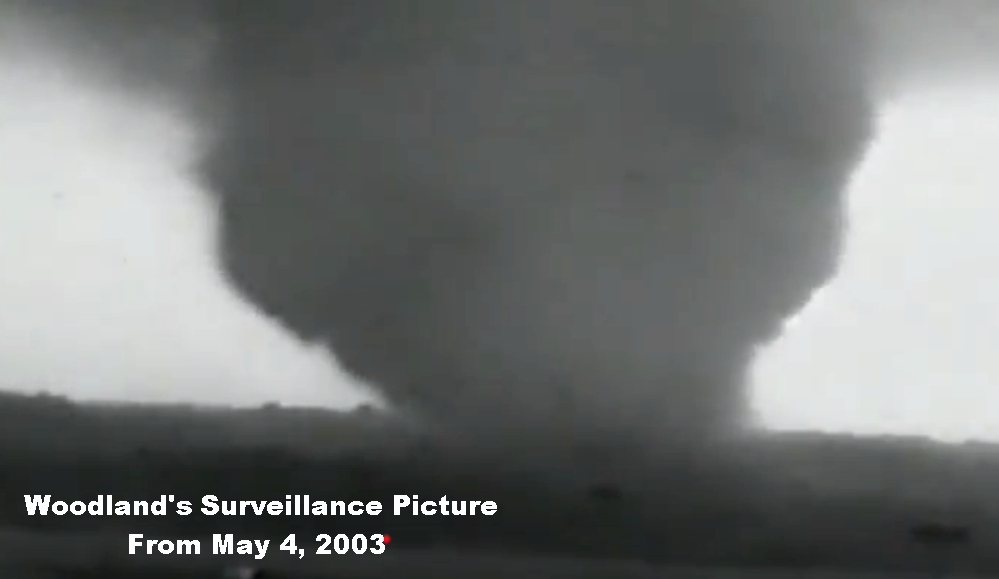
pixel 107 285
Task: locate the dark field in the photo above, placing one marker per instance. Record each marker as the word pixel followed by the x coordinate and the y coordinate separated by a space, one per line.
pixel 790 501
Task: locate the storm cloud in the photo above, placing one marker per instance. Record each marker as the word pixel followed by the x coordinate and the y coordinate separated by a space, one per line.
pixel 569 216
pixel 564 218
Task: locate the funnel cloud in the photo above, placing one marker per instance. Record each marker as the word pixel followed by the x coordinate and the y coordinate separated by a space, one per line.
pixel 579 217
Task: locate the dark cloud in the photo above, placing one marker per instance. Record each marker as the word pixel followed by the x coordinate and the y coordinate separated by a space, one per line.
pixel 574 216
pixel 151 47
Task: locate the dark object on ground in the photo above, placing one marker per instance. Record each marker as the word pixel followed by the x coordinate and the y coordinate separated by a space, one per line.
pixel 242 572
pixel 606 493
pixel 942 539
pixel 940 534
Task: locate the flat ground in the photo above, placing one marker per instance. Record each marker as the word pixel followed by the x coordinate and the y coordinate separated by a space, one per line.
pixel 774 506
pixel 23 556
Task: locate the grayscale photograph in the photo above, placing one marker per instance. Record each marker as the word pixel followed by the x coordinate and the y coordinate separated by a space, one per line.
pixel 499 289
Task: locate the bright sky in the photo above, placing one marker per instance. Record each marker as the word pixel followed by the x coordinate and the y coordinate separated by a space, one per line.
pixel 905 339
pixel 107 283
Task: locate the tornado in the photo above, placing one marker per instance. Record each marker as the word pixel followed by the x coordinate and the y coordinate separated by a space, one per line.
pixel 559 219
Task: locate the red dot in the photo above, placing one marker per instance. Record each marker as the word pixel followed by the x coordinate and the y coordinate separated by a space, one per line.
pixel 386 539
